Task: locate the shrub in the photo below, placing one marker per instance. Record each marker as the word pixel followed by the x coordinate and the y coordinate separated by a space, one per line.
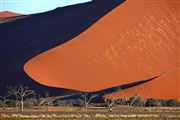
pixel 121 102
pixel 9 103
pixel 1 104
pixel 70 102
pixel 61 103
pixel 161 102
pixel 172 103
pixel 79 102
pixel 151 102
pixel 29 103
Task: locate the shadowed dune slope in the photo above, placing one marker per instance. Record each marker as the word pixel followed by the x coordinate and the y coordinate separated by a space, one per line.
pixel 166 86
pixel 137 40
pixel 25 38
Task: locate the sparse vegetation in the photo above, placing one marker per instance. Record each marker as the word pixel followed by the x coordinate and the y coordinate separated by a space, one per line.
pixel 136 101
pixel 109 103
pixel 3 101
pixel 38 101
pixel 20 93
pixel 87 97
pixel 49 107
pixel 49 100
pixel 121 102
pixel 70 102
pixel 162 103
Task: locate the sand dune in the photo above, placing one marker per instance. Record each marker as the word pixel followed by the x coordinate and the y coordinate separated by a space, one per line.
pixel 7 14
pixel 26 37
pixel 137 40
pixel 166 86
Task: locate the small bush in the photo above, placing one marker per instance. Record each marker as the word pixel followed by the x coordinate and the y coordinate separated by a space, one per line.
pixel 70 102
pixel 79 102
pixel 121 102
pixel 12 103
pixel 28 103
pixel 61 103
pixel 172 103
pixel 161 102
pixel 1 104
pixel 151 102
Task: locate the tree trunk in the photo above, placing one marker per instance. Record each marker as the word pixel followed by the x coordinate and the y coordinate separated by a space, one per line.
pixel 85 104
pixel 109 107
pixel 22 105
pixel 16 104
pixel 132 102
pixel 4 104
pixel 47 107
pixel 86 107
pixel 39 107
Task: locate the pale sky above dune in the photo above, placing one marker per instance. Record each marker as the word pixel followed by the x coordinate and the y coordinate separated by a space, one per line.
pixel 35 6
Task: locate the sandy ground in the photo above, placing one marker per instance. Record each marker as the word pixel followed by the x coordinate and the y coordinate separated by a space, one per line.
pixel 119 112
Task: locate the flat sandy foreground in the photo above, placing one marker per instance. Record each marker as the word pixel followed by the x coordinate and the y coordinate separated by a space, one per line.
pixel 75 113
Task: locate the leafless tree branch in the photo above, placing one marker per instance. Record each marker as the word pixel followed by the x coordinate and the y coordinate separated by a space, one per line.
pixel 20 92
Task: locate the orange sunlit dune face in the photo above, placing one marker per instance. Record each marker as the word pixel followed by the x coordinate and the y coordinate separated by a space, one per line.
pixel 136 41
pixel 6 14
pixel 166 86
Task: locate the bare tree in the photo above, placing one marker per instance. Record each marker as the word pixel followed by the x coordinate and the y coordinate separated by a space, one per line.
pixel 134 99
pixel 109 103
pixel 87 97
pixel 39 101
pixel 4 100
pixel 20 92
pixel 49 100
pixel 12 91
pixel 110 99
pixel 126 100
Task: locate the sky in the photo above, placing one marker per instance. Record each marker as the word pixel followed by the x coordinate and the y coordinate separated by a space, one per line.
pixel 35 6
